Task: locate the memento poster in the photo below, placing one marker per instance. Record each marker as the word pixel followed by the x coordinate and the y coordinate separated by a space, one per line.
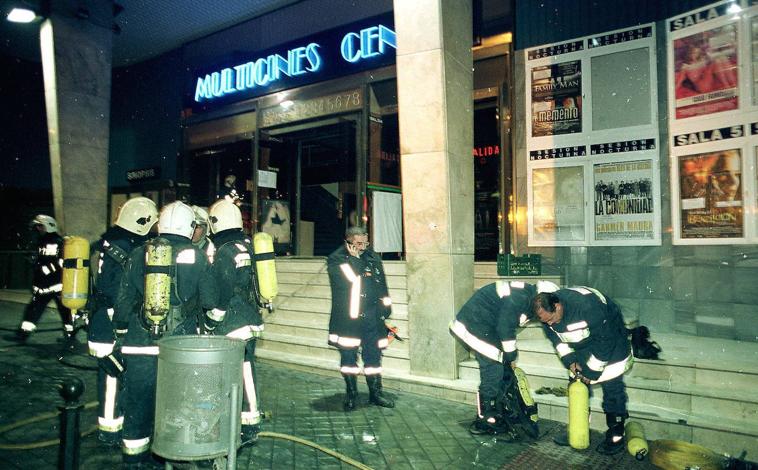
pixel 557 99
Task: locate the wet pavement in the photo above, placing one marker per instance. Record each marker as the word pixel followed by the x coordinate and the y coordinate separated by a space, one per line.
pixel 419 433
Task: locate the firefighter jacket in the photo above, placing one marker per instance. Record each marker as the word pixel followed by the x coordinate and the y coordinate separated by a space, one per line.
pixel 192 289
pixel 359 294
pixel 489 320
pixel 48 266
pixel 591 333
pixel 113 249
pixel 236 310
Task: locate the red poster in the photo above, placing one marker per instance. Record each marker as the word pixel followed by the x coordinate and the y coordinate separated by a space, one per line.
pixel 706 77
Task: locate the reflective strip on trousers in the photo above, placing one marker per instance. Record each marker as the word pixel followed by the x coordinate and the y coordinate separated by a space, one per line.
pixel 372 370
pixel 140 350
pixel 251 416
pixel 28 326
pixel 482 347
pixel 350 370
pixel 100 349
pixel 136 446
pixel 615 369
pixel 109 421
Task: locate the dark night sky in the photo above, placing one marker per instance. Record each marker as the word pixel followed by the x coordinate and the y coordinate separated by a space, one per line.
pixel 24 152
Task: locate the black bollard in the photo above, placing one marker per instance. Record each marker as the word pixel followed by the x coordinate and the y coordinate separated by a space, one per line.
pixel 68 452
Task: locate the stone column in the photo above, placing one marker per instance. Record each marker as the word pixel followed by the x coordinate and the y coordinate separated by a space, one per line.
pixel 75 41
pixel 435 81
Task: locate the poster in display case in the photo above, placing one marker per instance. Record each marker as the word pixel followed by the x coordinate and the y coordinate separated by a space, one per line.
pixel 558 198
pixel 623 204
pixel 706 72
pixel 557 99
pixel 710 195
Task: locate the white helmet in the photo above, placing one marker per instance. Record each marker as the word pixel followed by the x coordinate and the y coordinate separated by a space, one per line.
pixel 201 215
pixel 177 218
pixel 224 215
pixel 546 286
pixel 51 226
pixel 137 215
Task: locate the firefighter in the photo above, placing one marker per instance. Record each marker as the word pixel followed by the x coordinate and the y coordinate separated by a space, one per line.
pixel 360 305
pixel 587 330
pixel 237 312
pixel 46 281
pixel 200 236
pixel 487 323
pixel 168 262
pixel 134 221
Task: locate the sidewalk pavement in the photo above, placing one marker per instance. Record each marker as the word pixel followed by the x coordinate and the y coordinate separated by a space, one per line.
pixel 419 433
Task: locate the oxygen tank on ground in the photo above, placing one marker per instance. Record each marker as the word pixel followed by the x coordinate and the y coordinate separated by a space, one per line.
pixel 636 444
pixel 157 303
pixel 265 268
pixel 579 415
pixel 75 288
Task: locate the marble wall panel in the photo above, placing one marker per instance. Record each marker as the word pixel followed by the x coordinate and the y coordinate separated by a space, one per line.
pixel 714 284
pixel 658 315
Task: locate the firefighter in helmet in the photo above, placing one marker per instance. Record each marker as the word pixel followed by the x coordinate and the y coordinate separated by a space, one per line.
pixel 237 312
pixel 135 219
pixel 200 237
pixel 46 282
pixel 165 286
pixel 487 323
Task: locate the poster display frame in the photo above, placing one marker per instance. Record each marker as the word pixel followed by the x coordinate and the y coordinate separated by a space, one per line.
pixel 720 131
pixel 588 147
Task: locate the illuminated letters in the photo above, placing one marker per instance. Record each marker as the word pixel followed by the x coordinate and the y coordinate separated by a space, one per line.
pixel 371 42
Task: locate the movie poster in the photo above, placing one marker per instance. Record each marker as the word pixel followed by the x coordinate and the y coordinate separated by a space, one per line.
pixel 557 99
pixel 624 201
pixel 705 72
pixel 710 192
pixel 558 203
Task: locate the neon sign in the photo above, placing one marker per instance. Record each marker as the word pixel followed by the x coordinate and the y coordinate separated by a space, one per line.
pixel 275 70
pixel 371 42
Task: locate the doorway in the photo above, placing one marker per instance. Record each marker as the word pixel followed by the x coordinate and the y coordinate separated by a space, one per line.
pixel 307 185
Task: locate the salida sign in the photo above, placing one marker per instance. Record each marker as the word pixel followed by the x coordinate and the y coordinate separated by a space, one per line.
pixel 324 56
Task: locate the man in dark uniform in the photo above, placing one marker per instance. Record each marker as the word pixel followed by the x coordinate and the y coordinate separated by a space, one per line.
pixel 587 330
pixel 237 312
pixel 488 323
pixel 192 289
pixel 46 283
pixel 360 304
pixel 134 221
pixel 200 237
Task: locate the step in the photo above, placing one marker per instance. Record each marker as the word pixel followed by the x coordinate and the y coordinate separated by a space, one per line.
pixel 315 264
pixel 398 296
pixel 322 279
pixel 316 321
pixel 318 347
pixel 324 306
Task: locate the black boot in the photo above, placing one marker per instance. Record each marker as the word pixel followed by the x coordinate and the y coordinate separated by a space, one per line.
pixel 351 392
pixel 375 395
pixel 21 336
pixel 614 436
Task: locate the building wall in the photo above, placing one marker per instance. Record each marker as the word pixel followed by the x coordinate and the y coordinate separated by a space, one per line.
pixel 698 290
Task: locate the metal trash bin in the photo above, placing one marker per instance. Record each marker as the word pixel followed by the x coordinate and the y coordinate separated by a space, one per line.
pixel 194 415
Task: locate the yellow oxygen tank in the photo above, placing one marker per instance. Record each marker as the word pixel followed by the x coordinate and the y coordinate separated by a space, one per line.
pixel 265 268
pixel 75 282
pixel 636 444
pixel 579 415
pixel 526 395
pixel 157 303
